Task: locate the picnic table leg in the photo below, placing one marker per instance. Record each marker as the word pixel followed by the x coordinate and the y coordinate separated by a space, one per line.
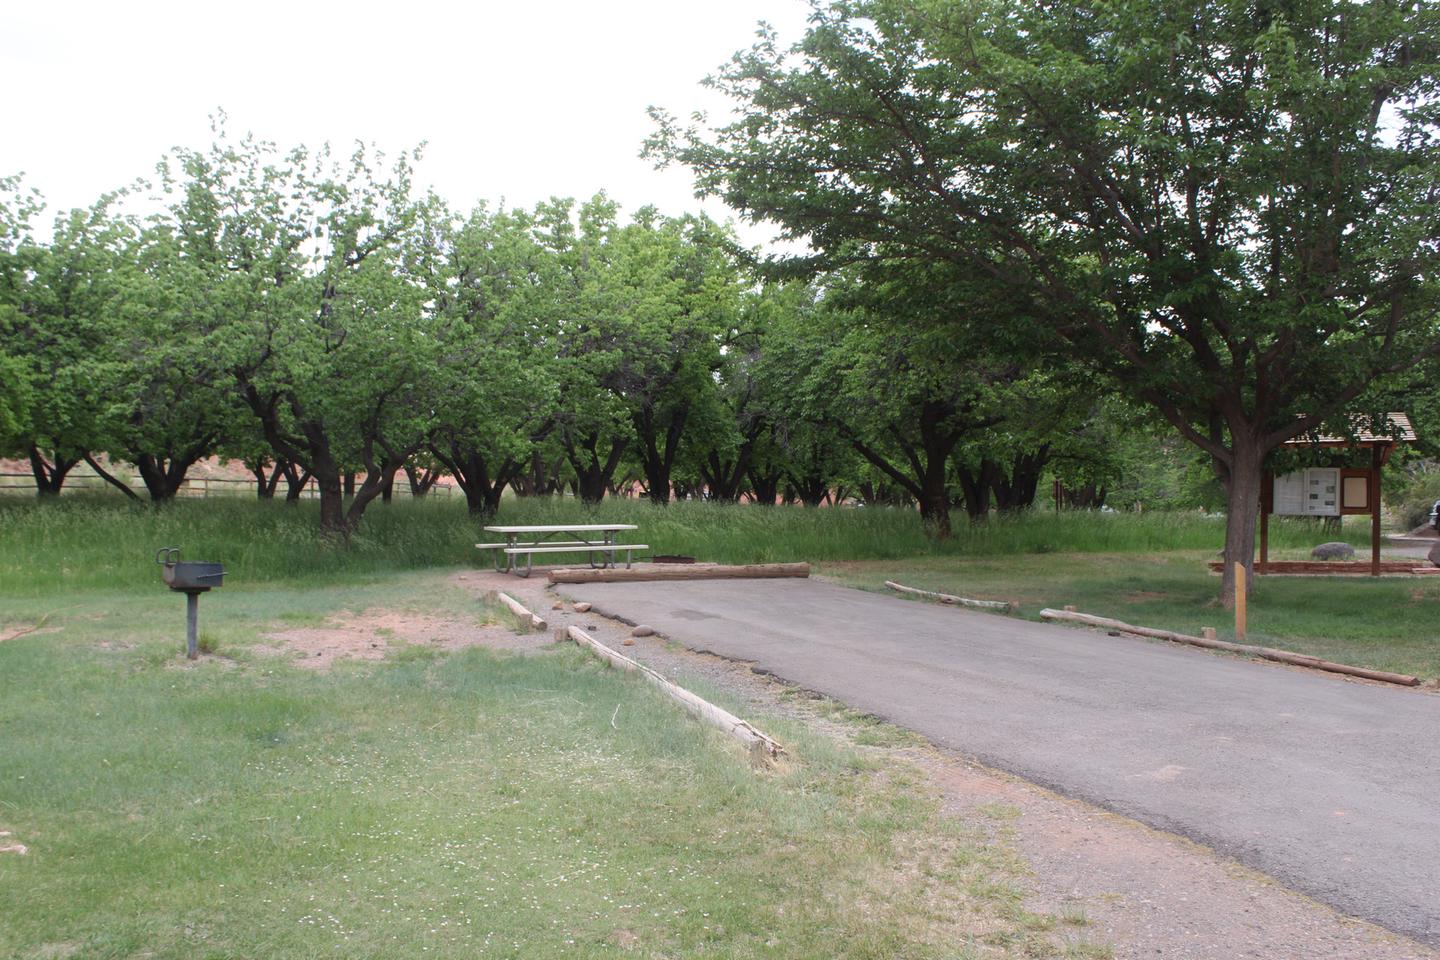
pixel 529 559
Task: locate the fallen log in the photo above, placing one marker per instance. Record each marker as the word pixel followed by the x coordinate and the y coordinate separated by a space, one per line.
pixel 1006 606
pixel 699 571
pixel 1265 653
pixel 762 747
pixel 1327 568
pixel 521 612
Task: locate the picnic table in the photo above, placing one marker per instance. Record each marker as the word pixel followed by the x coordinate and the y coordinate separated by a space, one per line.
pixel 595 539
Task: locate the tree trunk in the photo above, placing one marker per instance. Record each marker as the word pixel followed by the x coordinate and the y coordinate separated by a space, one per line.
pixel 928 459
pixel 265 484
pixel 976 485
pixel 1241 479
pixel 1015 490
pixel 110 478
pixel 163 477
pixel 541 479
pixel 1089 497
pixel 50 474
pixel 350 483
pixel 295 480
pixel 810 487
pixel 377 477
pixel 935 500
pixel 658 462
pixel 273 483
pixel 332 501
pixel 421 481
pixel 592 473
pixel 765 487
pixel 590 485
pixel 472 473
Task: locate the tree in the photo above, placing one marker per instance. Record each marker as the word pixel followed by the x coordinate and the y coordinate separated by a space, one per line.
pixel 1228 208
pixel 171 402
pixel 859 364
pixel 496 395
pixel 61 328
pixel 17 207
pixel 640 313
pixel 316 320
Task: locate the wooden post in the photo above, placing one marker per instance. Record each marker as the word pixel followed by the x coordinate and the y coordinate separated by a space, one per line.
pixel 1240 601
pixel 1375 463
pixel 1057 491
pixel 1267 504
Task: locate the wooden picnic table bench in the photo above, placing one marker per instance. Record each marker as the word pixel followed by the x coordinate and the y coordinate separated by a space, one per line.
pixel 603 545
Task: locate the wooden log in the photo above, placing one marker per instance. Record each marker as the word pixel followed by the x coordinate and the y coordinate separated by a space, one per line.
pixel 1266 653
pixel 1331 568
pixel 699 571
pixel 762 747
pixel 1005 606
pixel 520 611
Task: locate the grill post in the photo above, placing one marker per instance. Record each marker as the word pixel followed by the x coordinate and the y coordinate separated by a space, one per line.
pixel 192 624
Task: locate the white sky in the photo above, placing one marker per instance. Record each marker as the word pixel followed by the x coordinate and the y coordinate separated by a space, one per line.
pixel 518 101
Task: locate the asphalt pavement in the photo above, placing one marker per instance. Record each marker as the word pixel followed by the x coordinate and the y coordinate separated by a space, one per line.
pixel 1328 785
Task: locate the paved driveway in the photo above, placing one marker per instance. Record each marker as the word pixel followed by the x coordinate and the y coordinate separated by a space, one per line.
pixel 1330 786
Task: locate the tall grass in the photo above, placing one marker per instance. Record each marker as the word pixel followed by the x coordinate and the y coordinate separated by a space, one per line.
pixel 83 541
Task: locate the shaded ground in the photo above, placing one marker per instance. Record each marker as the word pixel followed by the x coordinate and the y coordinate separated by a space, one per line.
pixel 1323 783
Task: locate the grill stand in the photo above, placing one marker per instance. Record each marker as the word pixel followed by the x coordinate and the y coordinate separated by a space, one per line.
pixel 192 623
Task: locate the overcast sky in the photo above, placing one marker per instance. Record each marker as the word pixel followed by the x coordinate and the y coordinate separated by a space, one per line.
pixel 518 101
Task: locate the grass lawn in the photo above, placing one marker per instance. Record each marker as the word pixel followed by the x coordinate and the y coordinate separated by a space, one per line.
pixel 470 804
pixel 1385 623
pixel 482 804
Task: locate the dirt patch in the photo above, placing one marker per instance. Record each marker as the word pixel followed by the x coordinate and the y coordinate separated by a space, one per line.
pixel 9 844
pixel 373 634
pixel 1153 894
pixel 15 631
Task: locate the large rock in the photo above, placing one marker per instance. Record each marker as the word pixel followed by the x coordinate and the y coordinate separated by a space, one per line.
pixel 1434 556
pixel 1334 550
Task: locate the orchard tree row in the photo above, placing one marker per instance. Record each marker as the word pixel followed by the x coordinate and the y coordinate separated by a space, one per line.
pixel 315 317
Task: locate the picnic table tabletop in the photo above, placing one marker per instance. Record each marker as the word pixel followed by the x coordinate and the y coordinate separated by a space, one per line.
pixel 564 528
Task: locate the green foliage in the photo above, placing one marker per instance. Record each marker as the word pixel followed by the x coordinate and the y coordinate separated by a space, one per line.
pixel 1227 209
pixel 1418 490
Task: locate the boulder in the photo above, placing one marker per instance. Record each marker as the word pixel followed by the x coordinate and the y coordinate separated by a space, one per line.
pixel 642 631
pixel 1334 550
